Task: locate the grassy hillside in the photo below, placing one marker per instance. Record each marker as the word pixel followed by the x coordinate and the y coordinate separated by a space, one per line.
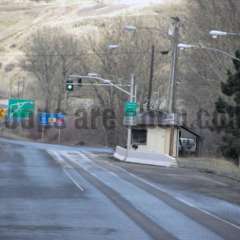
pixel 19 19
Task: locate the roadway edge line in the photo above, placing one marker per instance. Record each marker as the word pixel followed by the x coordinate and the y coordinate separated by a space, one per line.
pixel 60 160
pixel 178 198
pixel 150 227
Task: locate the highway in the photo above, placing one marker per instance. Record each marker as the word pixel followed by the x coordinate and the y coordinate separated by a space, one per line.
pixel 50 192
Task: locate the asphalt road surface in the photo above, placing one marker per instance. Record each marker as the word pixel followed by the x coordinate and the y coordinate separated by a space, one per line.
pixel 50 192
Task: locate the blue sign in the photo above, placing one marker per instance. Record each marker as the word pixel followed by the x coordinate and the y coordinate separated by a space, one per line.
pixel 43 118
pixel 60 120
pixel 51 119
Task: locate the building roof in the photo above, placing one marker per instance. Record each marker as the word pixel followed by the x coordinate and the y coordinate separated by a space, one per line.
pixel 157 118
pixel 162 119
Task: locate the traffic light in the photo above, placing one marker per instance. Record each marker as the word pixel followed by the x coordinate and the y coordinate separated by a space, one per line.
pixel 69 85
pixel 79 82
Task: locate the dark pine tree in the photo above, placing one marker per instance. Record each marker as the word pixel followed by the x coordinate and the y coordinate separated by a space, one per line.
pixel 229 106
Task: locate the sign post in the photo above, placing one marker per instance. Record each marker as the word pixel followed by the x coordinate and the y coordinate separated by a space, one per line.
pixel 60 123
pixel 52 120
pixel 43 121
pixel 130 114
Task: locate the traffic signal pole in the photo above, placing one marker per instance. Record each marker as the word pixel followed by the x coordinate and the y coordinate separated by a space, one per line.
pixel 105 82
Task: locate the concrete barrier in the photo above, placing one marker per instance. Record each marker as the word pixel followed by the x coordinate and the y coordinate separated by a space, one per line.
pixel 150 158
pixel 120 153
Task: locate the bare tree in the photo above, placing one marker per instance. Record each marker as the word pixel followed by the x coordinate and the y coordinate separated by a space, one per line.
pixel 133 56
pixel 51 55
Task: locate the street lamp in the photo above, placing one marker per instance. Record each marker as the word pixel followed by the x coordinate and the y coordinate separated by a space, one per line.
pixel 94 75
pixel 116 46
pixel 216 33
pixel 113 46
pixel 183 46
pixel 133 97
pixel 132 28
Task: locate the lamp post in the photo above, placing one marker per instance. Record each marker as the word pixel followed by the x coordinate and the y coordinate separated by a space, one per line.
pixel 133 97
pixel 132 28
pixel 183 46
pixel 106 82
pixel 217 33
pixel 116 46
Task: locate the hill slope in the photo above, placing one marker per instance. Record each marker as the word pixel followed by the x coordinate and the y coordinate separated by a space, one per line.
pixel 19 18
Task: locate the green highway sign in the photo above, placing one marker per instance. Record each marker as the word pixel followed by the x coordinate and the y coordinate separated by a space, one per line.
pixel 130 109
pixel 20 108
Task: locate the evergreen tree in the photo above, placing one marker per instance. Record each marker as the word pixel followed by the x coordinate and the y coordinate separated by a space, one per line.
pixel 229 105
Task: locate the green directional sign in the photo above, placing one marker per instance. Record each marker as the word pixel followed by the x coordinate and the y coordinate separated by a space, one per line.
pixel 20 108
pixel 130 109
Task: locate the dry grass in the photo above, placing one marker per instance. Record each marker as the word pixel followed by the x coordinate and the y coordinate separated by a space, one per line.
pixel 19 19
pixel 215 165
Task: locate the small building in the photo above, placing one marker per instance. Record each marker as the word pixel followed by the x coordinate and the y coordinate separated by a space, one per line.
pixel 163 133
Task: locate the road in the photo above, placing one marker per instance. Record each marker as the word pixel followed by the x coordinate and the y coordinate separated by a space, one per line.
pixel 50 192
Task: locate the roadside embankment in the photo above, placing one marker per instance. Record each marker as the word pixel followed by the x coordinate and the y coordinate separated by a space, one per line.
pixel 217 166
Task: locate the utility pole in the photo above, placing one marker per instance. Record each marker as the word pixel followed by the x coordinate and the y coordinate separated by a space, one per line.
pixel 151 78
pixel 131 98
pixel 172 80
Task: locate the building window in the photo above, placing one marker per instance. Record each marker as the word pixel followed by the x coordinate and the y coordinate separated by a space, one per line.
pixel 139 136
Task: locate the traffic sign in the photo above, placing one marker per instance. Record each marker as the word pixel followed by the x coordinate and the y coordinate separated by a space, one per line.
pixel 3 112
pixel 20 108
pixel 130 109
pixel 60 120
pixel 52 119
pixel 43 118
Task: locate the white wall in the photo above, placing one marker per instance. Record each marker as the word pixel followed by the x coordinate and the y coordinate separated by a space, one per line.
pixel 158 140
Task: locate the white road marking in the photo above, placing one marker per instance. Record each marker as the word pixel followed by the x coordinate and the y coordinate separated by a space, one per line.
pixel 208 213
pixel 93 155
pixel 59 158
pixel 84 157
pixel 65 166
pixel 144 201
pixel 74 181
pixel 178 198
